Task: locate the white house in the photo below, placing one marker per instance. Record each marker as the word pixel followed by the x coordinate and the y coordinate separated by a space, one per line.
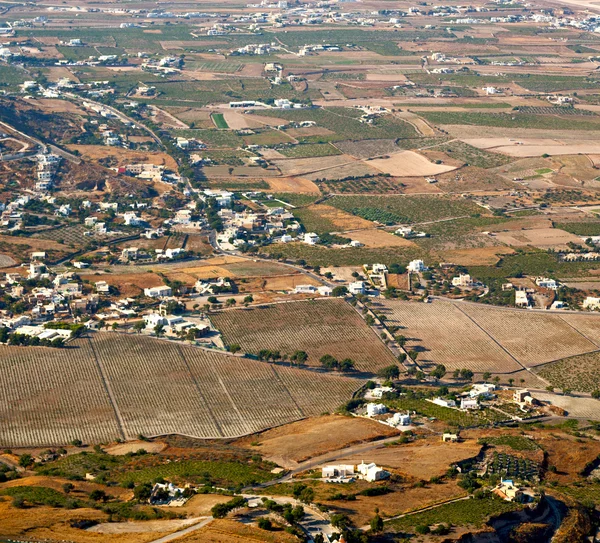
pixel 357 287
pixel 310 238
pixel 482 389
pixel 325 290
pixel 521 299
pixel 379 268
pixel 158 292
pixel 591 303
pixel 376 409
pixel 305 289
pixel 371 472
pixel 102 287
pixel 444 403
pixel 544 282
pixel 463 280
pixel 399 419
pixel 416 266
pixel 380 391
pixel 469 403
pixel 339 470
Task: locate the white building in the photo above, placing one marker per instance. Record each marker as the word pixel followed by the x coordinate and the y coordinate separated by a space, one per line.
pixel 463 280
pixel 376 409
pixel 371 472
pixel 357 287
pixel 310 238
pixel 591 303
pixel 469 403
pixel 399 419
pixel 545 282
pixel 339 470
pixel 416 266
pixel 482 389
pixel 158 292
pixel 305 289
pixel 444 403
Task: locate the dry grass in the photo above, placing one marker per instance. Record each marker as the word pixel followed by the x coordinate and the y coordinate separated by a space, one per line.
pixel 124 156
pixel 292 184
pixel 230 531
pixel 129 284
pixel 481 256
pixel 375 238
pixel 299 441
pixel 543 238
pixel 409 164
pixel 341 220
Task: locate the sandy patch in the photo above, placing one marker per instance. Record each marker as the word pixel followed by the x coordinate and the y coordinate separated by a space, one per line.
pixel 539 150
pixel 481 256
pixel 235 121
pixel 143 527
pixel 386 77
pixel 376 238
pixel 288 282
pixel 292 184
pixel 409 164
pixel 543 238
pixel 343 220
pixel 134 446
pixel 124 156
pixel 490 143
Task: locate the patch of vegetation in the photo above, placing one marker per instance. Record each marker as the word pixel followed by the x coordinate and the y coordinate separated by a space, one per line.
pixel 580 373
pixel 474 156
pixel 587 228
pixel 518 443
pixel 474 512
pixel 219 120
pixel 308 150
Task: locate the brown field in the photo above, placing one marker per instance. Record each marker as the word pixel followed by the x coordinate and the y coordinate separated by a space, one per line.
pixel 301 166
pixel 58 106
pixel 230 531
pixel 210 394
pixel 318 327
pixel 543 238
pixel 300 441
pixel 129 284
pixel 580 373
pixel 421 459
pixel 288 282
pixel 375 238
pixel 531 337
pixel 367 148
pixel 340 219
pixel 409 164
pixel 20 248
pixel 585 408
pixel 481 256
pixel 200 117
pixel 124 156
pixel 292 184
pixel 448 337
pixel 354 169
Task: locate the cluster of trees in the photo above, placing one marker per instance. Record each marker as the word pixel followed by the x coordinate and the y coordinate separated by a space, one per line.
pixel 331 363
pixel 464 374
pixel 221 510
pixel 298 358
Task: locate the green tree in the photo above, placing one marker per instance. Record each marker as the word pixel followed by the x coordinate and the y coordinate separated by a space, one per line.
pixel 139 326
pixel 439 371
pixel 159 330
pixel 376 524
pixel 389 372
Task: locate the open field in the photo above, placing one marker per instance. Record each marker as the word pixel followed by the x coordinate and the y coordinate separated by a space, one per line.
pixel 322 218
pixel 299 441
pixel 484 338
pixel 214 394
pixel 409 164
pixel 122 157
pixel 579 373
pixel 316 327
pixel 230 531
pixel 543 238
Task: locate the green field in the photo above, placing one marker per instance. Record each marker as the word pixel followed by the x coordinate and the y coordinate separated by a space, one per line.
pixel 219 120
pixel 580 373
pixel 405 209
pixel 307 150
pixel 509 120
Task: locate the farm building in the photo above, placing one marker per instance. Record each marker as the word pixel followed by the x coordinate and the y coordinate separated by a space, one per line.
pixel 443 402
pixel 371 472
pixel 357 287
pixel 467 403
pixel 452 438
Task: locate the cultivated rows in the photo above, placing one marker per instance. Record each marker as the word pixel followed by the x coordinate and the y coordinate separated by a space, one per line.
pixel 52 396
pixel 449 337
pixel 317 327
pixel 533 338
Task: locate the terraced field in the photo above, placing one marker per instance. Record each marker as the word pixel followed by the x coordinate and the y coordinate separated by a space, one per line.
pixel 119 386
pixel 481 338
pixel 316 327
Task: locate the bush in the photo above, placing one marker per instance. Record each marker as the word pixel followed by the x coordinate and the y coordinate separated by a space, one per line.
pixel 265 523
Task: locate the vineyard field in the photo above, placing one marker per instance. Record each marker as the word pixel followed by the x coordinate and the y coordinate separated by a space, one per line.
pixel 316 327
pixel 113 386
pixel 580 373
pixel 482 338
pixel 448 336
pixel 532 338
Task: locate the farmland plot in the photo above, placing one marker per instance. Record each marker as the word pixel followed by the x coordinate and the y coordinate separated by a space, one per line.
pixel 580 373
pixel 52 396
pixel 317 327
pixel 119 386
pixel 532 338
pixel 449 337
